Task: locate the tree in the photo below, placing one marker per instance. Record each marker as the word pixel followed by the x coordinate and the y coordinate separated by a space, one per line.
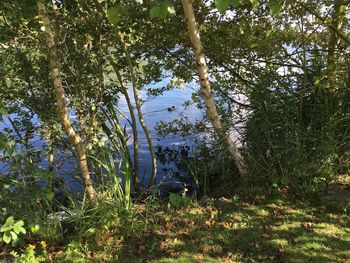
pixel 139 110
pixel 206 87
pixel 338 19
pixel 74 137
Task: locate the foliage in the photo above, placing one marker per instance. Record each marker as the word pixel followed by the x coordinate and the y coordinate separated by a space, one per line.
pixel 179 201
pixel 75 253
pixel 35 254
pixel 162 11
pixel 279 230
pixel 294 142
pixel 11 231
pixel 280 80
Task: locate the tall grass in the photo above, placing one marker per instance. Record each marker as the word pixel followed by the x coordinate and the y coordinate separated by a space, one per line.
pixel 294 142
pixel 113 187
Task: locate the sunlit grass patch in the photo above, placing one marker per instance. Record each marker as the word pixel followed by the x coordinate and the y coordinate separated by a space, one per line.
pixel 272 232
pixel 263 213
pixel 279 242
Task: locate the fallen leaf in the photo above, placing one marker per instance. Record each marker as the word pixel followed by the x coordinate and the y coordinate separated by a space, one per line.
pixel 142 248
pixel 308 225
pixel 182 234
pixel 163 245
pixel 170 252
pixel 237 218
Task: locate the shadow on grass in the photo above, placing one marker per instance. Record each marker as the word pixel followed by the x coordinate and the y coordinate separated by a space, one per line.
pixel 266 233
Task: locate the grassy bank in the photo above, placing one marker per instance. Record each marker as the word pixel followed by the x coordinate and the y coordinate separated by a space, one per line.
pixel 219 231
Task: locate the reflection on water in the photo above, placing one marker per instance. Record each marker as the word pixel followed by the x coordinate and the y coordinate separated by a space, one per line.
pixel 166 107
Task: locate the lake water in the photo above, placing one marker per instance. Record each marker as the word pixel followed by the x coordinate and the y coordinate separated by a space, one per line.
pixel 154 109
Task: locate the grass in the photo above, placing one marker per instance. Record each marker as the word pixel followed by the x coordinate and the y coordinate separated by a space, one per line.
pixel 278 231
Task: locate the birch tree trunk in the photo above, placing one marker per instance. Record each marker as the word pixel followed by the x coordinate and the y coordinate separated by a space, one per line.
pixel 206 88
pixel 61 102
pixel 135 172
pixel 137 102
pixel 139 110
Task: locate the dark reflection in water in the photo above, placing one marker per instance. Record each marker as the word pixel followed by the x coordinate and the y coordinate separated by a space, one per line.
pixel 155 110
pixel 166 107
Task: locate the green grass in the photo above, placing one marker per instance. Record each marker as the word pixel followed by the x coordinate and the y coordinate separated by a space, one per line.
pixel 238 232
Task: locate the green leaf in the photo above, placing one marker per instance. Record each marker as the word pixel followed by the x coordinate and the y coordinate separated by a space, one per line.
pixel 19 223
pixel 163 11
pixel 49 195
pixel 6 228
pixel 22 230
pixel 9 221
pixel 7 237
pixel 234 3
pixel 114 14
pixel 154 12
pixel 186 202
pixel 275 8
pixel 19 229
pixel 13 235
pixel 35 229
pixel 221 5
pixel 175 200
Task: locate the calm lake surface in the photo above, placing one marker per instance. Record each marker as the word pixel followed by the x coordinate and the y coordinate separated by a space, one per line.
pixel 155 109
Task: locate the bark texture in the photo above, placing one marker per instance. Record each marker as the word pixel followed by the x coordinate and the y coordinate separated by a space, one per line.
pixel 61 102
pixel 206 88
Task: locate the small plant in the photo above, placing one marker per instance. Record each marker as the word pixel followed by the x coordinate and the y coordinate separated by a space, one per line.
pixel 11 230
pixel 75 253
pixel 34 254
pixel 179 201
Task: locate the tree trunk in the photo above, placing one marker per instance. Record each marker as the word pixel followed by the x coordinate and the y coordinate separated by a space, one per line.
pixel 206 88
pixel 135 174
pixel 61 102
pixel 338 17
pixel 138 106
pixel 139 110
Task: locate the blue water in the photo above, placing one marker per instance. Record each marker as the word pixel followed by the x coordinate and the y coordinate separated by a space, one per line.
pixel 154 109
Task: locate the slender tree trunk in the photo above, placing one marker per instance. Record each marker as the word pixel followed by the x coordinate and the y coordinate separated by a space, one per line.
pixel 139 110
pixel 61 103
pixel 137 101
pixel 135 173
pixel 206 88
pixel 114 120
pixel 338 18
